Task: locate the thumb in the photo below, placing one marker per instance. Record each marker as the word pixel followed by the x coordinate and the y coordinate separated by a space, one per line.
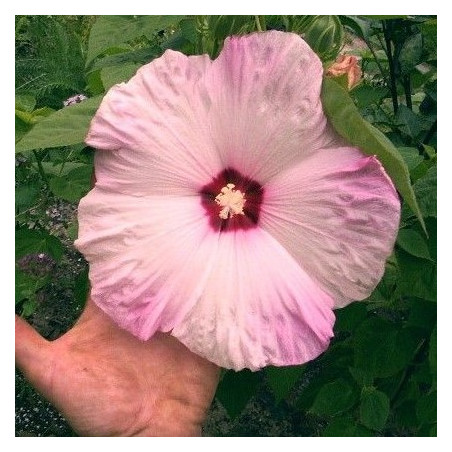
pixel 32 353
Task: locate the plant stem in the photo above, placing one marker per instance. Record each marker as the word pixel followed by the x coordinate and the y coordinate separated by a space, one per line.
pixel 407 89
pixel 372 51
pixel 409 370
pixel 40 168
pixel 260 23
pixel 393 84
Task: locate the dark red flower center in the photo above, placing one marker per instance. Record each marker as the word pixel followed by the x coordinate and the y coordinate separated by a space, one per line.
pixel 253 193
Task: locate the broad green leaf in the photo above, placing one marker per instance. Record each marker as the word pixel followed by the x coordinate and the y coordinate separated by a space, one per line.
pixel 382 349
pixel 412 242
pixel 236 389
pixel 226 25
pixel 405 414
pixel 21 127
pixel 359 26
pixel 31 241
pixel 411 156
pixel 74 185
pixel 25 102
pixel 347 121
pixel 425 189
pixel 324 34
pixel 422 314
pixel 361 377
pixel 346 427
pixel 426 408
pixel 430 35
pixel 410 54
pixel 283 379
pixel 60 169
pixel 411 123
pixel 348 318
pixel 111 31
pixel 62 128
pixel 417 276
pixel 26 196
pixel 112 75
pixel 374 408
pixel 366 95
pixel 139 56
pixel 189 30
pixel 334 398
pixel 338 357
pixel 27 285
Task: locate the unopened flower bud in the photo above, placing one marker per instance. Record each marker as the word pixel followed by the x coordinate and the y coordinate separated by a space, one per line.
pixel 346 65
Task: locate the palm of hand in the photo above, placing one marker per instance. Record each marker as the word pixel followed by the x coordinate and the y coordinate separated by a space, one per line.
pixel 108 383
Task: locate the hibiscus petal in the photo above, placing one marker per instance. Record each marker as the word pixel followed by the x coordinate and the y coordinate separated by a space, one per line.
pixel 147 257
pixel 156 124
pixel 266 111
pixel 257 308
pixel 337 214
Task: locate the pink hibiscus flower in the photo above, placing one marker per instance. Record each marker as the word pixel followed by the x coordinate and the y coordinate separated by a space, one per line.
pixel 226 211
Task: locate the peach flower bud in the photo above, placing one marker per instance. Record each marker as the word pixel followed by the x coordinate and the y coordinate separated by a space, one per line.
pixel 346 64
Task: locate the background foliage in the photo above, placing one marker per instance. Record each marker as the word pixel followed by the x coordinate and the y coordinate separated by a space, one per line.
pixel 378 378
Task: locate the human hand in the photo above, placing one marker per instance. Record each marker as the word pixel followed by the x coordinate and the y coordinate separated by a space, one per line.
pixel 108 383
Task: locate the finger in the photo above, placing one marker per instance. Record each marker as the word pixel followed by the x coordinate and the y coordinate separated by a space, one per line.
pixel 32 355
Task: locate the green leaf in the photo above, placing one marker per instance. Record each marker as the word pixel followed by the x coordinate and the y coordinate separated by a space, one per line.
pixel 426 410
pixel 374 408
pixel 139 56
pixel 348 318
pixel 411 156
pixel 411 123
pixel 425 189
pixel 324 34
pixel 60 169
pixel 411 53
pixel 366 95
pixel 21 127
pixel 226 25
pixel 62 128
pixel 31 241
pixel 74 185
pixel 27 285
pixel 25 102
pixel 236 389
pixel 417 276
pixel 345 427
pixel 283 379
pixel 361 377
pixel 422 314
pixel 111 31
pixel 334 398
pixel 112 75
pixel 412 242
pixel 359 26
pixel 26 196
pixel 381 349
pixel 347 121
